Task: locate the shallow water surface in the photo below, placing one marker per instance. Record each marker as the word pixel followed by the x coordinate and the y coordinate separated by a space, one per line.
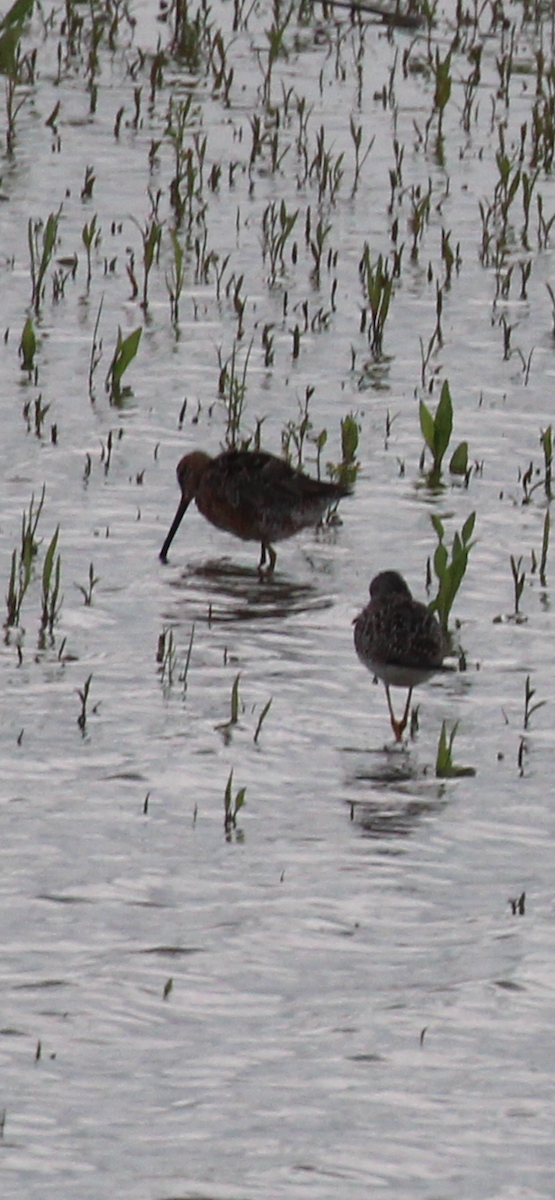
pixel 349 991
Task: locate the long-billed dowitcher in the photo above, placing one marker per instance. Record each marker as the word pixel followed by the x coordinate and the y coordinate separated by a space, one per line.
pixel 398 639
pixel 253 495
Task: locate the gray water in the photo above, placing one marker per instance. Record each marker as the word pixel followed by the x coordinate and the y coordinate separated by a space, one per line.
pixel 335 999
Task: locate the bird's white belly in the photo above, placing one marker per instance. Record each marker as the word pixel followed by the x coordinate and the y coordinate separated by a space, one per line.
pixel 398 676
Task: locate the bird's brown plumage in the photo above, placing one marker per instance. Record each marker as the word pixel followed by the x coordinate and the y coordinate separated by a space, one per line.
pixel 253 495
pixel 398 639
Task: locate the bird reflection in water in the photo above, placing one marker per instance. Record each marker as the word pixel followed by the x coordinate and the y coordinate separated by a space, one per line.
pixel 222 591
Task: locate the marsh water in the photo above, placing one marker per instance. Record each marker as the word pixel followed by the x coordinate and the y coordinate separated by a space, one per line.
pixel 348 990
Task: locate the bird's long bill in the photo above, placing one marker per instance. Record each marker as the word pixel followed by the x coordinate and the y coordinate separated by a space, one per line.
pixel 183 506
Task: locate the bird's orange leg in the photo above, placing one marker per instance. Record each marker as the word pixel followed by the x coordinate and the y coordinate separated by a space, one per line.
pixel 398 727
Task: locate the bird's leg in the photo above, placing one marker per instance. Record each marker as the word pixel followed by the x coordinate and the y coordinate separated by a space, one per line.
pixel 392 717
pixel 405 717
pixel 398 727
pixel 268 550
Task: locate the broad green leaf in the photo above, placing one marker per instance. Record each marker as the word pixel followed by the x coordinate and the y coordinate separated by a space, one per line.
pixel 442 753
pixel 349 438
pixel 50 234
pixel 126 350
pixel 9 42
pixel 240 799
pixel 513 188
pixel 17 13
pixel 440 561
pixel 459 460
pixel 427 426
pixel 438 526
pixel 445 767
pixel 28 345
pixel 443 424
pixel 48 563
pixel 88 232
pixel 468 528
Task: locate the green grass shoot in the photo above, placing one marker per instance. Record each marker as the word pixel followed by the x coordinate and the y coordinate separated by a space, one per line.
pixel 232 804
pixel 436 431
pixel 51 600
pixel 261 720
pixel 529 708
pixel 28 346
pixel 450 571
pixel 124 353
pixel 445 767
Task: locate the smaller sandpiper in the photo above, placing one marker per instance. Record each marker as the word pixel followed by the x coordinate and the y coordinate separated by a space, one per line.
pixel 398 639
